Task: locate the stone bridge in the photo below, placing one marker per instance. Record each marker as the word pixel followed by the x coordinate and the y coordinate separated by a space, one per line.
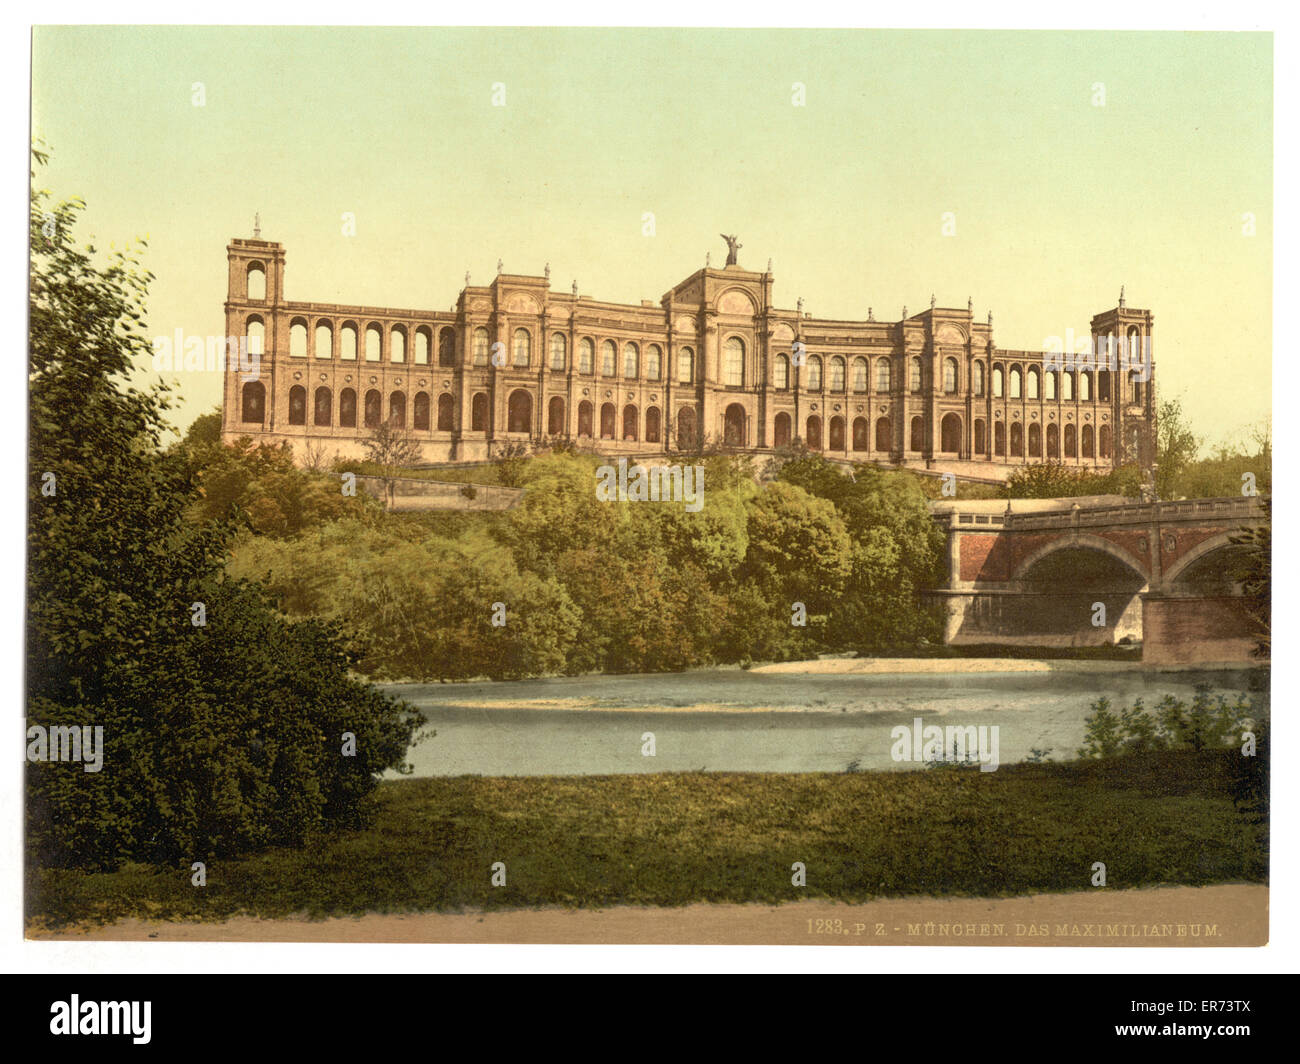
pixel 1099 570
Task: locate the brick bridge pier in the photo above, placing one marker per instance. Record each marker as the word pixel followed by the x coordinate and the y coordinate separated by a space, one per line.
pixel 1035 575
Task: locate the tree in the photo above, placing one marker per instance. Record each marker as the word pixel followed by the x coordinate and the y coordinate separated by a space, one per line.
pixel 392 448
pixel 222 722
pixel 1176 447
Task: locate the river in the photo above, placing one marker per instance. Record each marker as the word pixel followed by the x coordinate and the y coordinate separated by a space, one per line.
pixel 733 720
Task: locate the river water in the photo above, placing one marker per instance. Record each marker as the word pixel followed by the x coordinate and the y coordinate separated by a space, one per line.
pixel 733 720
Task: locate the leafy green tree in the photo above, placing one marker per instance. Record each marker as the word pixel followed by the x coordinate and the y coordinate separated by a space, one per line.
pixel 1176 447
pixel 222 723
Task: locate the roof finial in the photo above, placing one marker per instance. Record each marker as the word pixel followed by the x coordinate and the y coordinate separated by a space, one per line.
pixel 467 278
pixel 870 314
pixel 905 312
pixel 575 288
pixel 798 307
pixel 970 304
pixel 257 226
pixel 548 271
pixel 1121 297
pixel 990 319
pixel 500 267
pixel 769 265
pixel 708 259
pixel 932 301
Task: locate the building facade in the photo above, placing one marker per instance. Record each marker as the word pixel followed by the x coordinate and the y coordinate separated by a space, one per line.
pixel 713 360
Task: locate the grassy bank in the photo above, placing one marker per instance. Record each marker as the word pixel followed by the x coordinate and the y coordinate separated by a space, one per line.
pixel 672 839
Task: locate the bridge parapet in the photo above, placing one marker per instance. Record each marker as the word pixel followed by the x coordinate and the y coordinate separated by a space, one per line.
pixel 1246 508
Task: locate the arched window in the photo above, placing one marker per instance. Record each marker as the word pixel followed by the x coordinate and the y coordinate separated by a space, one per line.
pixel 586 356
pixel 914 375
pixel 733 362
pixel 1053 441
pixel 374 343
pixel 298 338
pixel 559 352
pixel 813 437
pixel 519 411
pixel 397 410
pixel 584 418
pixel 481 346
pixel 686 427
pixel 348 408
pixel 950 434
pixel 555 416
pixel 981 444
pixel 256 333
pixel 1087 441
pixel 654 361
pixel 1071 442
pixel 1103 442
pixel 1067 386
pixel 861 434
pixel 423 345
pixel 253 403
pixel 297 405
pixel 348 341
pixel 478 413
pixel 884 435
pixel 374 409
pixel 447 347
pixel 917 440
pixel 977 379
pixel 1050 381
pixel 608 356
pixel 1015 384
pixel 999 439
pixel 685 369
pixel 1137 390
pixel 860 375
pixel 997 382
pixel 631 361
pixel 950 376
pixel 781 430
pixel 1085 386
pixel 324 340
pixel 781 372
pixel 1031 383
pixel 420 412
pixel 397 345
pixel 324 407
pixel 814 373
pixel 523 348
pixel 836 440
pixel 1017 440
pixel 1035 440
pixel 607 416
pixel 1103 386
pixel 446 413
pixel 629 423
pixel 256 281
pixel 837 385
pixel 884 376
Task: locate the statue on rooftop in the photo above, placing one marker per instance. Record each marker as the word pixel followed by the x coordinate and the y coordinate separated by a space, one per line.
pixel 733 246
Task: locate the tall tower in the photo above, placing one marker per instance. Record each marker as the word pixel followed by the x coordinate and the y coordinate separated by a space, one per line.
pixel 1122 347
pixel 254 295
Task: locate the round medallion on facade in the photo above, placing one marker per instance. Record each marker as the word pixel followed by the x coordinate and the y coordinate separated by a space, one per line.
pixel 1142 544
pixel 1069 417
pixel 374 380
pixel 1171 542
pixel 654 398
pixel 609 395
pixel 1087 417
pixel 837 407
pixel 1051 416
pixel 445 384
pixel 1105 417
pixel 421 382
pixel 812 406
pixel 348 378
pixel 1015 415
pixel 1033 414
pixel 397 380
pixel 631 395
pixel 860 408
pixel 297 376
pixel 586 391
pixel 324 377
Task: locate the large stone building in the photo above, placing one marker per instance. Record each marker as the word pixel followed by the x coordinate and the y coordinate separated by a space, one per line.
pixel 714 359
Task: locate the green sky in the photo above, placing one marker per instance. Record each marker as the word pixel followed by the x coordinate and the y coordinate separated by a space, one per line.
pixel 1057 201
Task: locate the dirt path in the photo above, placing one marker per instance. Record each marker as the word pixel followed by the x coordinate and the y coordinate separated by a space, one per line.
pixel 1228 915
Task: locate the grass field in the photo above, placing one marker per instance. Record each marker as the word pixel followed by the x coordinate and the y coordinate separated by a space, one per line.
pixel 672 839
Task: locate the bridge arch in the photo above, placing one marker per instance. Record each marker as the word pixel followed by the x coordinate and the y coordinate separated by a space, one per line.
pixel 1184 567
pixel 1079 541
